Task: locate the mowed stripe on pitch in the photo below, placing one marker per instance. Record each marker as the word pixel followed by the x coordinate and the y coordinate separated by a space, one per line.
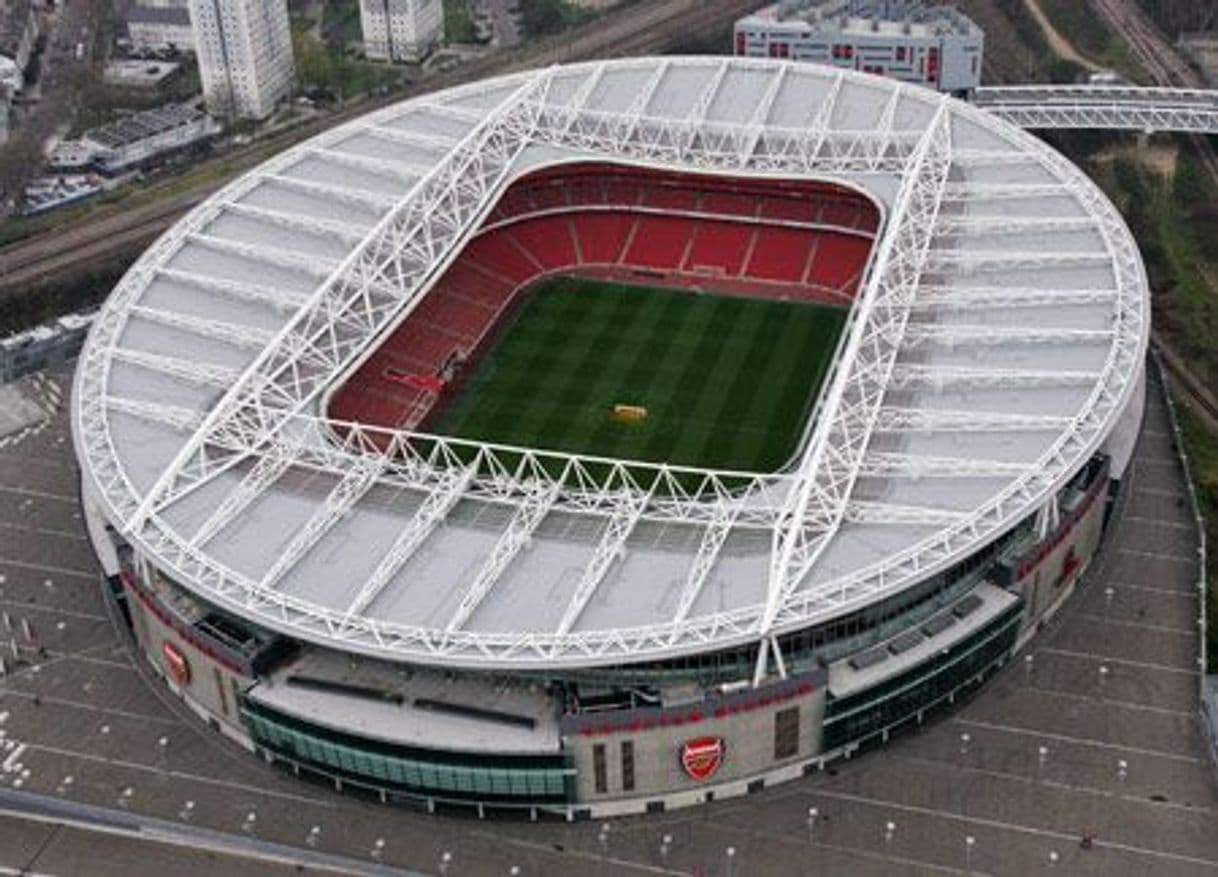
pixel 727 381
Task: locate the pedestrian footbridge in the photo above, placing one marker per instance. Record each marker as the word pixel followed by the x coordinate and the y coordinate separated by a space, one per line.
pixel 1112 107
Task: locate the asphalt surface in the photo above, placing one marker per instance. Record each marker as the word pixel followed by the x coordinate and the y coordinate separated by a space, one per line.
pixel 1096 734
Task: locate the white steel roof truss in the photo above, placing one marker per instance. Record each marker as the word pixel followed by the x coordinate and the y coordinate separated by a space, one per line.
pixel 404 171
pixel 485 155
pixel 966 260
pixel 919 334
pixel 859 512
pixel 237 429
pixel 265 472
pixel 273 296
pixel 530 511
pixel 880 464
pixel 357 197
pixel 892 419
pixel 967 224
pixel 850 407
pixel 237 334
pixel 296 222
pixel 181 419
pixel 934 376
pixel 193 372
pixel 299 260
pixel 449 487
pixel 960 298
pixel 631 502
pixel 349 490
pixel 761 115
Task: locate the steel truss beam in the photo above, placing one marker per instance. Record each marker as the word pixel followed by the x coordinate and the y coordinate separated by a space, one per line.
pixel 181 419
pixel 974 191
pixel 263 418
pixel 380 278
pixel 530 512
pixel 273 296
pixel 966 260
pixel 937 377
pixel 265 472
pixel 350 489
pixel 888 513
pixel 362 198
pixel 918 334
pixel 434 508
pixel 631 503
pixel 239 335
pixel 296 222
pixel 727 512
pixel 960 298
pixel 403 171
pixel 193 372
pixel 946 420
pixel 834 455
pixel 296 260
pixel 993 225
pixel 878 464
pixel 724 145
pixel 1123 107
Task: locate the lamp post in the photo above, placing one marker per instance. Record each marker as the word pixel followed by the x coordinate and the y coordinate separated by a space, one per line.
pixel 889 830
pixel 665 843
pixel 813 813
pixel 969 843
pixel 729 855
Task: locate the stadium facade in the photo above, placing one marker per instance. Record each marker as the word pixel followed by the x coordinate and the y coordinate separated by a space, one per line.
pixel 441 620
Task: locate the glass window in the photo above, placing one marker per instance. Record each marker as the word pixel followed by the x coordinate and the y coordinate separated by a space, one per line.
pixel 786 733
pixel 599 779
pixel 628 765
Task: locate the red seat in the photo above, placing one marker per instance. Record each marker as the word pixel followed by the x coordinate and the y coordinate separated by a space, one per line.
pixel 780 254
pixel 719 246
pixel 659 242
pixel 602 236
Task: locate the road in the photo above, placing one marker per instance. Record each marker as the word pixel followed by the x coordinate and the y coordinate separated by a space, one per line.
pixel 89 721
pixel 635 29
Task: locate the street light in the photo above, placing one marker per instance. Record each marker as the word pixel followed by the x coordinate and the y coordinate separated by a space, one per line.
pixel 730 853
pixel 446 859
pixel 1053 857
pixel 665 843
pixel 889 829
pixel 969 843
pixel 813 813
pixel 964 741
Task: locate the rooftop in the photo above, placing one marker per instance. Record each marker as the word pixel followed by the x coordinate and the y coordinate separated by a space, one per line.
pixel 865 17
pixel 143 125
pixel 1023 320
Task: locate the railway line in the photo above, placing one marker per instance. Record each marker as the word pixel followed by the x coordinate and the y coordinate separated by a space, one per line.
pixel 639 29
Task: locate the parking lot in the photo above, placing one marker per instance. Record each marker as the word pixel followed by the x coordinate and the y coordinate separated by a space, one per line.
pixel 1091 731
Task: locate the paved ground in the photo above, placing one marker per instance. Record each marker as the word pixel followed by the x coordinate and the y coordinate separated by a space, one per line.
pixel 1096 733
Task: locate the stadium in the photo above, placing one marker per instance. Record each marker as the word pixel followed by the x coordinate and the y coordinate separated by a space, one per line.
pixel 612 437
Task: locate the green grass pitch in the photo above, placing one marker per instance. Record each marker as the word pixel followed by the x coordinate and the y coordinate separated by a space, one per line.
pixel 728 382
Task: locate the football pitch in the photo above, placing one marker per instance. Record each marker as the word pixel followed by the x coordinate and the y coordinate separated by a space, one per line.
pixel 727 382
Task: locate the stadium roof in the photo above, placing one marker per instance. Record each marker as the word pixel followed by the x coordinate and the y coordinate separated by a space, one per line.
pixel 994 344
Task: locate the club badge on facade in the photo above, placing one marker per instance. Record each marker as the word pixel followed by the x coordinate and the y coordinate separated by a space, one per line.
pixel 175 661
pixel 702 757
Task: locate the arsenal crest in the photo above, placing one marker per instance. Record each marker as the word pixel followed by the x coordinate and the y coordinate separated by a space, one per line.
pixel 702 756
pixel 179 667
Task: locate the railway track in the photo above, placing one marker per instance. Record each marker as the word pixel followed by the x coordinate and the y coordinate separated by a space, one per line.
pixel 639 29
